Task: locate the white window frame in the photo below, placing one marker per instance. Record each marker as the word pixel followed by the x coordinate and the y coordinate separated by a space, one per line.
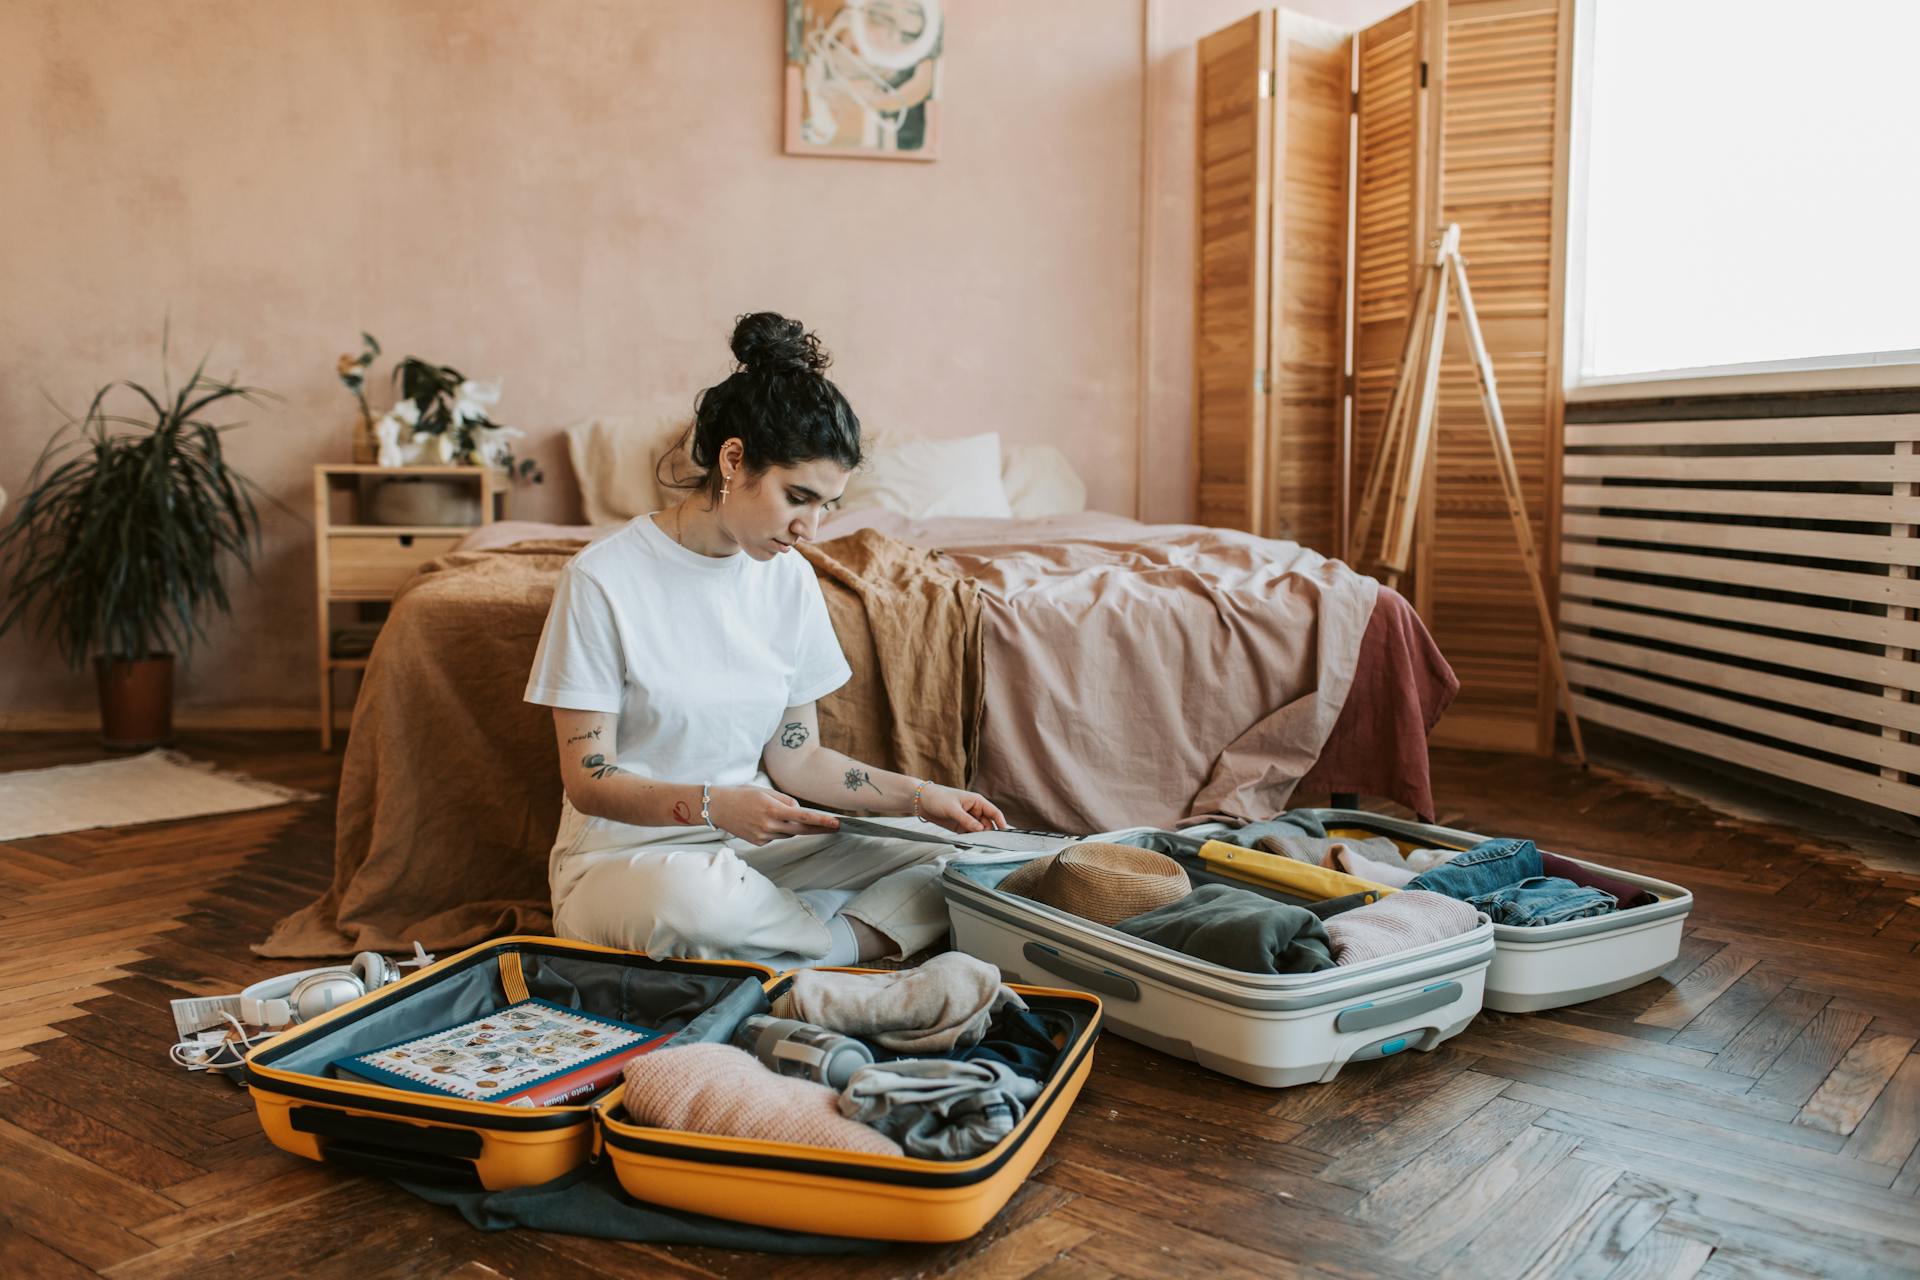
pixel 1864 370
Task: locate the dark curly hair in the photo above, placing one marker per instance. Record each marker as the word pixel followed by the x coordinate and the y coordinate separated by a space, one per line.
pixel 777 401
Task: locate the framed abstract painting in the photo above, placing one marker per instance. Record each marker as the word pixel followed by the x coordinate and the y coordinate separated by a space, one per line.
pixel 863 78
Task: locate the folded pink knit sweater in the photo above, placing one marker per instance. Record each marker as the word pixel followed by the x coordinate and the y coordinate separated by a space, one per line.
pixel 1398 922
pixel 718 1089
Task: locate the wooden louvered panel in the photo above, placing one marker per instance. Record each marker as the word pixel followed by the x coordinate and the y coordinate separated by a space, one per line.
pixel 1389 209
pixel 1774 629
pixel 1313 66
pixel 1500 175
pixel 1230 287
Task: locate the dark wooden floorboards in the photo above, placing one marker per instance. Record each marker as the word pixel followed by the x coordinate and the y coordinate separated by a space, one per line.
pixel 1755 1111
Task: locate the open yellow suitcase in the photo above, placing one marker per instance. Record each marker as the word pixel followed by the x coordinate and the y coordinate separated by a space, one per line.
pixel 407 1134
pixel 800 1188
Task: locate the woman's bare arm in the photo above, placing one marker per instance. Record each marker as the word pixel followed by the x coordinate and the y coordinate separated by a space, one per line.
pixel 602 789
pixel 801 767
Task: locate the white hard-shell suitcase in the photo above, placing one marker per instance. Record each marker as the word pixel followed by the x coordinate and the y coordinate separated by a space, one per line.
pixel 1548 966
pixel 1269 1029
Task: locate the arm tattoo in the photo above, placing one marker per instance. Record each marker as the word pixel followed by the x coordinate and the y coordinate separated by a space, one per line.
pixel 682 813
pixel 599 764
pixel 857 778
pixel 793 735
pixel 592 733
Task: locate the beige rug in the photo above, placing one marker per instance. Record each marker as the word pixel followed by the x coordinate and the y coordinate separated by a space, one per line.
pixel 158 786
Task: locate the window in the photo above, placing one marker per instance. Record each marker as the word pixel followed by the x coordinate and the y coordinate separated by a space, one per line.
pixel 1751 187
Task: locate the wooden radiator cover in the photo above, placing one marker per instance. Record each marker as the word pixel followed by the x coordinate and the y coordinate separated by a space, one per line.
pixel 1746 589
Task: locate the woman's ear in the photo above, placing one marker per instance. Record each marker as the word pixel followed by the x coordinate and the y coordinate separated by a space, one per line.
pixel 732 454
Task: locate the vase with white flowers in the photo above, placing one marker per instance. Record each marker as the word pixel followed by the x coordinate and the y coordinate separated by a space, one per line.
pixel 439 417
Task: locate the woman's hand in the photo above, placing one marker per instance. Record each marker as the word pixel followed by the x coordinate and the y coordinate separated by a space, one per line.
pixel 961 811
pixel 758 815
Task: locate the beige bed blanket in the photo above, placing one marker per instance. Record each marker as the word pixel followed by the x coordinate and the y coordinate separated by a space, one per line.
pixel 450 790
pixel 1149 674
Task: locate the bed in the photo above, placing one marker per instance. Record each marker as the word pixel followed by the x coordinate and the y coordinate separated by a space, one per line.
pixel 1084 670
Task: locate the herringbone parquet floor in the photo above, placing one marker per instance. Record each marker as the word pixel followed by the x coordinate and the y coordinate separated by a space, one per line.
pixel 1753 1112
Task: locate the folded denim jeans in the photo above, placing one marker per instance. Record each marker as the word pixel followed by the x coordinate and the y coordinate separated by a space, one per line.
pixel 1489 865
pixel 1543 900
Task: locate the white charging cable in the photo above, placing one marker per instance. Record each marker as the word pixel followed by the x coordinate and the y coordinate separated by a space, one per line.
pixel 205 1050
pixel 202 1052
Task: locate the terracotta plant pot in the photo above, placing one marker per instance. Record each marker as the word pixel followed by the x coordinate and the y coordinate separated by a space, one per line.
pixel 136 701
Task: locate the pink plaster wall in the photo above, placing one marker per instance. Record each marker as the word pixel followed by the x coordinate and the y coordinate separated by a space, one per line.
pixel 576 197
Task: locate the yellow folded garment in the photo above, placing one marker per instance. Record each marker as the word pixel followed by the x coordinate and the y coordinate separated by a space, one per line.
pixel 1298 878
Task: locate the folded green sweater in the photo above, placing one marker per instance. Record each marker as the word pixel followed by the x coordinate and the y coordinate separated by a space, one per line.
pixel 1238 929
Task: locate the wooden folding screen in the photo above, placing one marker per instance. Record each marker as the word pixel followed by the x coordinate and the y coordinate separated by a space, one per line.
pixel 1502 122
pixel 1461 117
pixel 1393 213
pixel 1231 279
pixel 1270 286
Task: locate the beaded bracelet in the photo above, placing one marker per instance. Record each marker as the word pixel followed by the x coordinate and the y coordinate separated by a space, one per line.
pixel 706 801
pixel 916 799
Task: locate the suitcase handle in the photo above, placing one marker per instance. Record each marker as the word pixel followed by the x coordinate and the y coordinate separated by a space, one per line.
pixel 1378 1013
pixel 374 1132
pixel 1105 981
pixel 434 1171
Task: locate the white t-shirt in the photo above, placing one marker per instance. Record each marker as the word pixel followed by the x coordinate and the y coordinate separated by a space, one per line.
pixel 698 655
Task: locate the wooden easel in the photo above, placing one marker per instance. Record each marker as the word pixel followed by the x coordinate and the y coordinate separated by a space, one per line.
pixel 1400 462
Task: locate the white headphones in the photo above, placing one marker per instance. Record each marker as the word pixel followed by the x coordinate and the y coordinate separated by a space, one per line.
pixel 298 997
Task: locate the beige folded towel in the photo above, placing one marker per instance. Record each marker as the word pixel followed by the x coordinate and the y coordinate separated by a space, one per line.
pixel 943 1005
pixel 1410 918
pixel 718 1089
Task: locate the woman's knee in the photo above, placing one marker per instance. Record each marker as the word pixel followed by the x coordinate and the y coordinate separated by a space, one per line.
pixel 673 903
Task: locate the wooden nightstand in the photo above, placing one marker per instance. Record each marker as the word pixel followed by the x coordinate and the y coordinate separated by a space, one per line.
pixel 359 567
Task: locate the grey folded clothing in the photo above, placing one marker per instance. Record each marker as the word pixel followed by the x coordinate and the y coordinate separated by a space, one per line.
pixel 943 1005
pixel 1398 922
pixel 1175 843
pixel 1315 850
pixel 1239 929
pixel 939 1108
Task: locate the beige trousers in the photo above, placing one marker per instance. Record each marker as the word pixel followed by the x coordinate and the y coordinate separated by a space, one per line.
pixel 695 893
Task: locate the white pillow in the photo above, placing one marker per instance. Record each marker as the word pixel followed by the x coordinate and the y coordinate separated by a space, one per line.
pixel 921 478
pixel 614 459
pixel 1041 482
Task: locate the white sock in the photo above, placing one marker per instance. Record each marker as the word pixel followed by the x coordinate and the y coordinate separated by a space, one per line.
pixel 826 903
pixel 845 949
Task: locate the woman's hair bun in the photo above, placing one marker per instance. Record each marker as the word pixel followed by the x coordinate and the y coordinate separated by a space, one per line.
pixel 766 342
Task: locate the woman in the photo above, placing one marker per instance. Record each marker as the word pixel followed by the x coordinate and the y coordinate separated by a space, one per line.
pixel 682 658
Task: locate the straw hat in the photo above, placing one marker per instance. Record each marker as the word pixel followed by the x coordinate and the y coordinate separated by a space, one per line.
pixel 1106 883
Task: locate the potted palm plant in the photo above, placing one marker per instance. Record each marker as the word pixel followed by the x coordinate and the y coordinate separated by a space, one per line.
pixel 116 547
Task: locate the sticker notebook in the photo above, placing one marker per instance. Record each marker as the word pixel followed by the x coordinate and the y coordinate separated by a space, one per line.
pixel 533 1053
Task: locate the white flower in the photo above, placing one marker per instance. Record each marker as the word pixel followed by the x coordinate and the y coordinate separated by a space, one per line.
pixel 474 399
pixel 444 446
pixel 490 443
pixel 406 411
pixel 387 432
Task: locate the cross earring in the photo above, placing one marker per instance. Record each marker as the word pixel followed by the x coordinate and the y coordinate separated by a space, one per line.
pixel 726 486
